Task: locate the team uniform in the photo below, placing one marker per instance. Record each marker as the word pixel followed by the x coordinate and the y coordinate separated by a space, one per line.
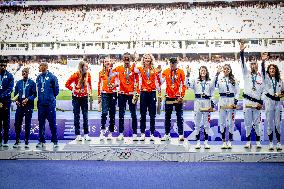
pixel 253 90
pixel 127 90
pixel 273 107
pixel 229 93
pixel 149 83
pixel 175 88
pixel 107 91
pixel 6 88
pixel 203 91
pixel 80 91
pixel 48 89
pixel 25 89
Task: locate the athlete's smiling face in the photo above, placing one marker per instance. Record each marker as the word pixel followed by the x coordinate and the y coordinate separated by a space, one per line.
pixel 226 70
pixel 147 59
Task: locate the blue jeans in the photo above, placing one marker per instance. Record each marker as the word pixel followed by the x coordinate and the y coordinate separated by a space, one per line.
pixel 49 113
pixel 147 102
pixel 122 99
pixel 22 112
pixel 108 106
pixel 168 114
pixel 80 103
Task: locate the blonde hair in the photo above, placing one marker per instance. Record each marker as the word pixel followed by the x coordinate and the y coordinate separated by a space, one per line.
pixel 26 69
pixel 152 60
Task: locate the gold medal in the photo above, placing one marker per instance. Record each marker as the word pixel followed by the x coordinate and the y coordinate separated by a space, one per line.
pixel 127 82
pixel 148 82
pixel 173 86
pixel 109 85
pixel 254 89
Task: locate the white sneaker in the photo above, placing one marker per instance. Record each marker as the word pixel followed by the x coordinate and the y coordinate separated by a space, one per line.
pixel 278 146
pixel 165 137
pixel 198 146
pixel 39 145
pixel 87 138
pixel 17 144
pixel 206 145
pixel 134 137
pixel 120 137
pixel 102 134
pixel 55 145
pixel 181 138
pixel 109 137
pixel 78 138
pixel 43 146
pixel 229 145
pixel 258 145
pixel 152 137
pixel 142 138
pixel 270 146
pixel 224 145
pixel 248 145
pixel 5 145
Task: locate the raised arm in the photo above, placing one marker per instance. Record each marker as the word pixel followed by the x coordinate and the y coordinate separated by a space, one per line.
pixel 264 57
pixel 242 56
pixel 215 79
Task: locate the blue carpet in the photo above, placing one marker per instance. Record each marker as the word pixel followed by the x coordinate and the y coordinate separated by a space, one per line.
pixel 98 174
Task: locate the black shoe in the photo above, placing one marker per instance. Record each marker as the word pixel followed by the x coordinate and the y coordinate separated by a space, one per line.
pixel 26 144
pixel 17 144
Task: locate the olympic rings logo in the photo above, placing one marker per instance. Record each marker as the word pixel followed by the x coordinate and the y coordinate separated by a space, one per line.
pixel 124 154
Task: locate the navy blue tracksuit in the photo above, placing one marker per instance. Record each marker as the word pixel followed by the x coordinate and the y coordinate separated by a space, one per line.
pixel 25 89
pixel 48 89
pixel 6 88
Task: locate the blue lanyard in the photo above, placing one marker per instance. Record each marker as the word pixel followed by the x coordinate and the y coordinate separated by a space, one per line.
pixel 24 87
pixel 43 82
pixel 173 77
pixel 127 73
pixel 227 84
pixel 1 79
pixel 82 84
pixel 148 74
pixel 274 84
pixel 253 77
pixel 109 76
pixel 203 83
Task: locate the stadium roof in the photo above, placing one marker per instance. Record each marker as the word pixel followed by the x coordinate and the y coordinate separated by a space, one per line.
pixel 104 2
